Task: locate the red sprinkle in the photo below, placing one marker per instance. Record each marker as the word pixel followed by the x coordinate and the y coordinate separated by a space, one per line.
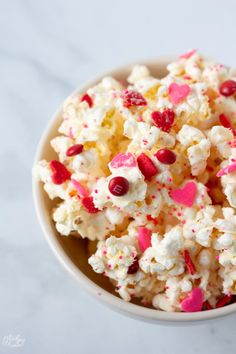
pixel 189 263
pixel 88 203
pixel 224 301
pixel 164 120
pixel 225 121
pixel 60 174
pixel 146 166
pixel 133 98
pixel 134 267
pixel 228 88
pixel 165 156
pixel 74 150
pixel 88 99
pixel 150 218
pixel 118 186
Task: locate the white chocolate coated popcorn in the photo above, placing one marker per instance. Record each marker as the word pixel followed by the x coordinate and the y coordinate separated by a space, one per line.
pixel 146 171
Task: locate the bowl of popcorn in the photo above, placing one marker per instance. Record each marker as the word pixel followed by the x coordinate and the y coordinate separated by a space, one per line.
pixel 134 186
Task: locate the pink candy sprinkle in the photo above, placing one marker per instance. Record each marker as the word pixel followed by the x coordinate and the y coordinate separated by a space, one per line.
pixel 193 302
pixel 188 54
pixel 123 160
pixel 226 170
pixel 185 195
pixel 178 92
pixel 144 238
pixel 83 192
pixel 71 135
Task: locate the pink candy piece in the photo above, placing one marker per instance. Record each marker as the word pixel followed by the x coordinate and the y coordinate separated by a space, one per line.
pixel 144 238
pixel 193 302
pixel 188 54
pixel 83 192
pixel 185 195
pixel 178 92
pixel 226 170
pixel 123 160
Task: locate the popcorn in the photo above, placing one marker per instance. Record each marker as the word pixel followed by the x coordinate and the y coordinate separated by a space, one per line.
pixel 147 173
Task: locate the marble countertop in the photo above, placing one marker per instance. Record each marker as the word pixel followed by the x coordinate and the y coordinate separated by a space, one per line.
pixel 48 48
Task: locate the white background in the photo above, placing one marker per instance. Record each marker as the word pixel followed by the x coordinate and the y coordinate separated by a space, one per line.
pixel 47 48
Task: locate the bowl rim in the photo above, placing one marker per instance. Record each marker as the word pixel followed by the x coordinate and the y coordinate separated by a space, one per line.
pixel 118 304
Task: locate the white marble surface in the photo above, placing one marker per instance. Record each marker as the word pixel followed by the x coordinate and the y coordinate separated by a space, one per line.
pixel 47 48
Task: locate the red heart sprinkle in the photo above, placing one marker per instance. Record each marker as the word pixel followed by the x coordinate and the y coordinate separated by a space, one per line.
pixel 133 98
pixel 164 120
pixel 185 195
pixel 60 174
pixel 146 166
pixel 88 203
pixel 87 99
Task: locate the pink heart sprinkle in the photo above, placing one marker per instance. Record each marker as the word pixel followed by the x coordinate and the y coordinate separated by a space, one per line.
pixel 83 192
pixel 144 238
pixel 185 195
pixel 193 302
pixel 226 170
pixel 123 160
pixel 178 92
pixel 188 54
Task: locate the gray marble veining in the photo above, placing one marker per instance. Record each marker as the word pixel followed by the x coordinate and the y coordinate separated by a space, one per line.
pixel 47 48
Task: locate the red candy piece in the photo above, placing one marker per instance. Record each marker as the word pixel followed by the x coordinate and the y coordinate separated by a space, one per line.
pixel 118 186
pixel 224 120
pixel 87 202
pixel 224 301
pixel 60 174
pixel 88 99
pixel 134 267
pixel 144 238
pixel 189 263
pixel 74 150
pixel 228 88
pixel 193 302
pixel 164 120
pixel 165 156
pixel 146 166
pixel 207 306
pixel 133 98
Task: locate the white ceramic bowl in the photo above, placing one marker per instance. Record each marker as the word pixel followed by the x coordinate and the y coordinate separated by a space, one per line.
pixel 72 252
